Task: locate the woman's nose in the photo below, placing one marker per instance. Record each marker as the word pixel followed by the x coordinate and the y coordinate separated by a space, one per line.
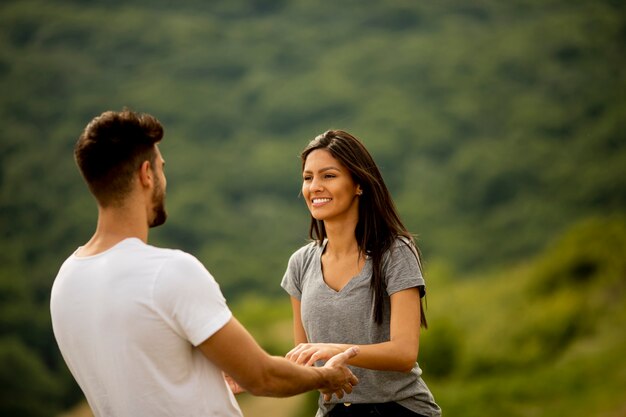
pixel 315 185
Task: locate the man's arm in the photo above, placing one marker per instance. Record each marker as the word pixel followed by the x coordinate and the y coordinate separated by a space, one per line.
pixel 236 352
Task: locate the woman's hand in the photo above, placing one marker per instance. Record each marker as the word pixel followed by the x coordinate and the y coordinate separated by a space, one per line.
pixel 233 385
pixel 308 353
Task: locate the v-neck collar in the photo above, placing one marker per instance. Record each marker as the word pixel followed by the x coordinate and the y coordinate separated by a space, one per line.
pixel 350 282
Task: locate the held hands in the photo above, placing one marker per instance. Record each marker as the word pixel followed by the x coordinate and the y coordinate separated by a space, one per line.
pixel 340 378
pixel 308 353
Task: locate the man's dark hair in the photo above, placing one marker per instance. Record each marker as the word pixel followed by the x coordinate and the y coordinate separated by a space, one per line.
pixel 111 149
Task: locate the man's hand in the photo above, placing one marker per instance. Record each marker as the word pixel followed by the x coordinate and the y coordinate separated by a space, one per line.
pixel 339 378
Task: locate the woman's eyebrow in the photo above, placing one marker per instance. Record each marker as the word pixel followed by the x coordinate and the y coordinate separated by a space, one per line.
pixel 322 169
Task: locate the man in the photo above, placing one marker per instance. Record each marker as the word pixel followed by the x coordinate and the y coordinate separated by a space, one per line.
pixel 146 331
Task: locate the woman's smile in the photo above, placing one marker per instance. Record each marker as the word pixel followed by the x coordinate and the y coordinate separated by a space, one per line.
pixel 328 187
pixel 319 202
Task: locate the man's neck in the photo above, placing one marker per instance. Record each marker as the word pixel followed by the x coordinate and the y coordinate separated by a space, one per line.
pixel 115 225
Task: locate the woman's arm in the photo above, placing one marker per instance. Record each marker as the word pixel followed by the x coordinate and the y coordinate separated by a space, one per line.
pixel 398 354
pixel 299 334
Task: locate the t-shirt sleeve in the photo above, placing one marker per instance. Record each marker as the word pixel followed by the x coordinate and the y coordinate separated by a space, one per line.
pixel 402 270
pixel 190 299
pixel 292 280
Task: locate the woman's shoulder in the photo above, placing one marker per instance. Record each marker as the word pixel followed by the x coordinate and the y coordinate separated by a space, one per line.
pixel 402 250
pixel 403 244
pixel 403 266
pixel 302 260
pixel 306 252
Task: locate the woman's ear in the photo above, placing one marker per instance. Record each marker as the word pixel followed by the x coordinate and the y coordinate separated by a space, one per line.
pixel 359 191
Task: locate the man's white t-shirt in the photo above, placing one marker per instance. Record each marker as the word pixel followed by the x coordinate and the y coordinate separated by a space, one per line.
pixel 127 322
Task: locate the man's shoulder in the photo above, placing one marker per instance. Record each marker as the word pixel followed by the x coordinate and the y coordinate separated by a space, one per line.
pixel 162 255
pixel 174 255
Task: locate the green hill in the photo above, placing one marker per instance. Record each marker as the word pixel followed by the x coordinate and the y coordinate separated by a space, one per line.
pixel 543 339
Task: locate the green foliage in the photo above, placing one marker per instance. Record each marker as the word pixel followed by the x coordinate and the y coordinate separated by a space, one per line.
pixel 530 347
pixel 267 321
pixel 28 387
pixel 440 350
pixel 496 125
pixel 593 250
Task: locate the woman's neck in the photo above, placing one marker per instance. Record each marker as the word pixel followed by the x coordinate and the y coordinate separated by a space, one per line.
pixel 341 239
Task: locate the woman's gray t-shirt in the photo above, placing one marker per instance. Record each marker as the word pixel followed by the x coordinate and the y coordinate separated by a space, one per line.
pixel 346 316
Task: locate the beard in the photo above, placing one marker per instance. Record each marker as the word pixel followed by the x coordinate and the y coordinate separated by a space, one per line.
pixel 159 214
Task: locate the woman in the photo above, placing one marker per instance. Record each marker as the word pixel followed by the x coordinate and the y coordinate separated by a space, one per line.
pixel 358 283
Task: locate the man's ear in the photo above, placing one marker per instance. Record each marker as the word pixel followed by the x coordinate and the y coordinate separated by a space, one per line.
pixel 146 175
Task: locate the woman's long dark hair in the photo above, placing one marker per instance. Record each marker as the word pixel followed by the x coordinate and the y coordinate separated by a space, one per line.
pixel 379 225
